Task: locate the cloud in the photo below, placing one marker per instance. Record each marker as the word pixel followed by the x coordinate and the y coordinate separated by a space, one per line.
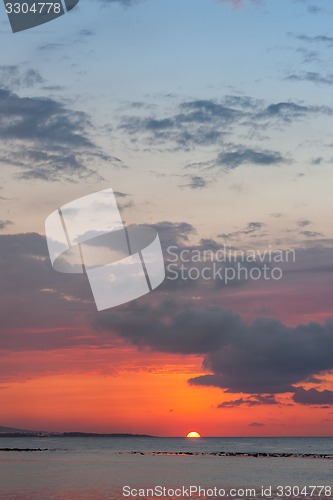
pixel 186 330
pixel 255 400
pixel 5 223
pixel 265 357
pixel 243 156
pixel 256 424
pixel 311 76
pixel 214 125
pixel 86 33
pixel 287 111
pixel 276 215
pixel 27 117
pixel 261 358
pixel 199 122
pixel 47 140
pixel 328 40
pixel 250 229
pixel 314 9
pixel 308 56
pixel 311 234
pixel 196 182
pixel 317 161
pixel 14 77
pixel 33 295
pixel 312 396
pixel 51 46
pixel 174 233
pixel 120 194
pixel 303 223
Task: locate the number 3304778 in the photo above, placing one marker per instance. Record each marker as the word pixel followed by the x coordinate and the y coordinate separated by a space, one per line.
pixel 35 8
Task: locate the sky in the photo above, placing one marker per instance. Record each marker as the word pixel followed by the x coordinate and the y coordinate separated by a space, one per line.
pixel 212 122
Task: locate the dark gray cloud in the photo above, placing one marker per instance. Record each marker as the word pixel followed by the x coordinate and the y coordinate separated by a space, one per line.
pixel 120 194
pixel 311 76
pixel 311 234
pixel 255 400
pixel 33 295
pixel 51 46
pixel 308 56
pixel 276 215
pixel 327 40
pixel 271 355
pixel 29 117
pixel 314 9
pixel 291 111
pixel 5 223
pixel 287 111
pixel 213 124
pixel 195 182
pixel 187 331
pixel 46 140
pixel 174 233
pixel 317 161
pixel 256 424
pixel 251 227
pixel 312 396
pixel 44 297
pixel 262 358
pixel 265 357
pixel 303 223
pixel 209 122
pixel 243 156
pixel 199 122
pixel 13 77
pixel 87 33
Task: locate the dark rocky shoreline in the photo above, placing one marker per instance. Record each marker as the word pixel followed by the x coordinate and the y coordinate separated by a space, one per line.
pixel 24 449
pixel 231 454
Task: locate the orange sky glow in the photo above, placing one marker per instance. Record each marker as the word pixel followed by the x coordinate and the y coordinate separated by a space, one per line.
pixel 139 392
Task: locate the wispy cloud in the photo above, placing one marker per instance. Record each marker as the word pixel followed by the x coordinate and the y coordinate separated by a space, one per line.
pixel 328 40
pixel 13 77
pixel 250 229
pixel 255 400
pixel 243 156
pixel 45 139
pixel 311 76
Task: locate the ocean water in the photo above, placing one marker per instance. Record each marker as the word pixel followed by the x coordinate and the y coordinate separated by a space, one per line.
pixel 99 468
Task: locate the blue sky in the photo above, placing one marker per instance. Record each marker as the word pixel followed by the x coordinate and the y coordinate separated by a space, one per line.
pixel 135 69
pixel 104 58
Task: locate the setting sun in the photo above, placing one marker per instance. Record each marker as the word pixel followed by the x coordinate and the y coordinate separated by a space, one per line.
pixel 193 435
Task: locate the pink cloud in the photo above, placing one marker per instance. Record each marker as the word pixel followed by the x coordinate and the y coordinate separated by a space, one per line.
pixel 238 4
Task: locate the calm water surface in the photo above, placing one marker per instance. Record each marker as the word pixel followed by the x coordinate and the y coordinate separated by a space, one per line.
pixel 99 468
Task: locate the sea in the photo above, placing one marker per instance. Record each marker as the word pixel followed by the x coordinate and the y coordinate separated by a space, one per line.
pixel 114 468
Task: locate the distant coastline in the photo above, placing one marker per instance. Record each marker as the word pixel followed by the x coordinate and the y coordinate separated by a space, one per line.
pixel 7 432
pixel 70 434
